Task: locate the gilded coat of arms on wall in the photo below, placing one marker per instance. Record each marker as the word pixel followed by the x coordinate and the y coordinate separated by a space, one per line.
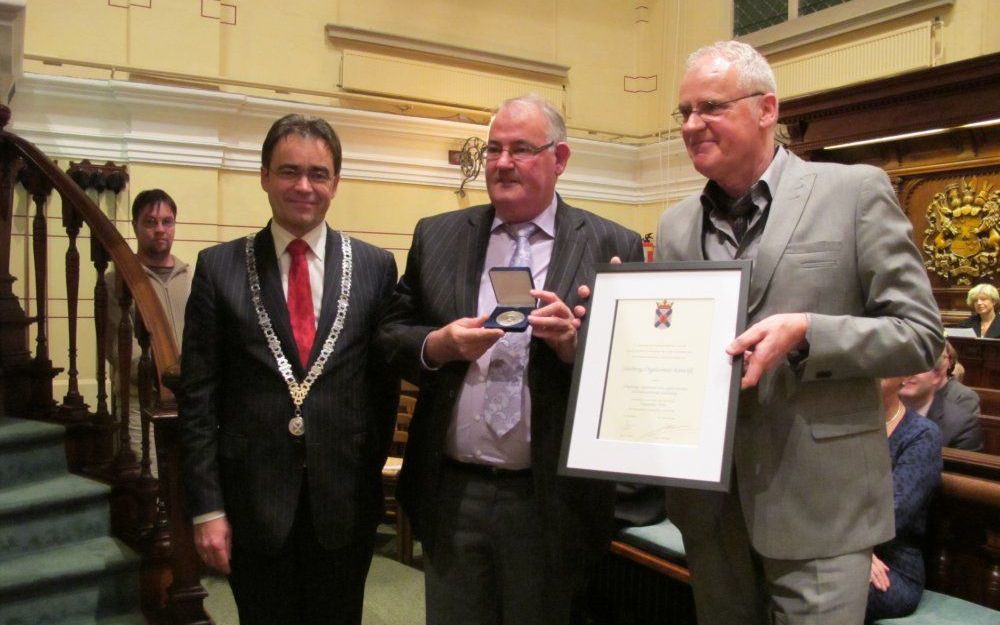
pixel 962 238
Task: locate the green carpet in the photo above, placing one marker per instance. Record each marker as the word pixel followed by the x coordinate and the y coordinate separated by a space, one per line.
pixel 58 561
pixel 394 593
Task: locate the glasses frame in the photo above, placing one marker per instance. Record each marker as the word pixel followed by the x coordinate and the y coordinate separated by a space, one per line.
pixel 294 174
pixel 709 110
pixel 524 152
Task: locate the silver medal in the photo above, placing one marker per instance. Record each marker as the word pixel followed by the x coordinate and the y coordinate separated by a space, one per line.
pixel 510 318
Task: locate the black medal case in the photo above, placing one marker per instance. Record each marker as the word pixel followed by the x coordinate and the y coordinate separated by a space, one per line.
pixel 512 286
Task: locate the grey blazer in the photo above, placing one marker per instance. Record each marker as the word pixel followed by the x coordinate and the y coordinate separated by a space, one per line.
pixel 441 284
pixel 958 424
pixel 810 452
pixel 234 406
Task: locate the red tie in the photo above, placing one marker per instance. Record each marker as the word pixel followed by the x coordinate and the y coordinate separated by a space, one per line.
pixel 300 303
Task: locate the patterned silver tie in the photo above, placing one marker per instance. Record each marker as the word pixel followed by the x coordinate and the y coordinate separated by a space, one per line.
pixel 504 379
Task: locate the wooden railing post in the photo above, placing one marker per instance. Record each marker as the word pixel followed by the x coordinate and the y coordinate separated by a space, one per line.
pixel 101 440
pixel 186 595
pixel 146 381
pixel 126 466
pixel 73 408
pixel 15 358
pixel 42 404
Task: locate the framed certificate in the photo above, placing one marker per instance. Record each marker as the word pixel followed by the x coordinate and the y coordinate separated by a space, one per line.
pixel 654 393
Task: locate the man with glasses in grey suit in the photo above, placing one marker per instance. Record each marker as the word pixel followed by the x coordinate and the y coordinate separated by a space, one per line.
pixel 838 298
pixel 286 409
pixel 506 540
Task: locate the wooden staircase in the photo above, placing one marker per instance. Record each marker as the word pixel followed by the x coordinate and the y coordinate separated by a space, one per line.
pixel 58 560
pixel 87 534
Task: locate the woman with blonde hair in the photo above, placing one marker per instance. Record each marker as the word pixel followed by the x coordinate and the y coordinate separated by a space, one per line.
pixel 983 300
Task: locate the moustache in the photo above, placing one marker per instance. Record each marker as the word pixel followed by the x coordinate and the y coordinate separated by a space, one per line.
pixel 507 177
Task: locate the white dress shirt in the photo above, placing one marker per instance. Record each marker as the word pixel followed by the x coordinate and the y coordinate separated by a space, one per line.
pixel 469 438
pixel 315 259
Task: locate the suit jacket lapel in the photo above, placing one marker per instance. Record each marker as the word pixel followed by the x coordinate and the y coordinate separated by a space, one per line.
pixel 693 239
pixel 786 209
pixel 332 269
pixel 273 296
pixel 567 251
pixel 471 256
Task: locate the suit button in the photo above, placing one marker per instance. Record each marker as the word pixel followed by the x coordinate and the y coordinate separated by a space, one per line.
pixel 451 394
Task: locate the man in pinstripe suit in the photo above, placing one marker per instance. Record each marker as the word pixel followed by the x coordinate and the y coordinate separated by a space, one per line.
pixel 286 410
pixel 506 540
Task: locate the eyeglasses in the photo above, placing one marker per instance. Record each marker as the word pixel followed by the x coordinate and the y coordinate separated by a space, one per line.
pixel 519 152
pixel 708 110
pixel 294 174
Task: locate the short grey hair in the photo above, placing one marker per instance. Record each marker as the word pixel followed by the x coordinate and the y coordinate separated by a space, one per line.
pixel 753 73
pixel 557 126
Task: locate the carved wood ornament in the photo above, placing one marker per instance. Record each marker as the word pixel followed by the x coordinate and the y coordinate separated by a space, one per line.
pixel 962 238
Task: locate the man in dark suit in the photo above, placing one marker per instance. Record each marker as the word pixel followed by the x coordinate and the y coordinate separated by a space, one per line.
pixel 286 410
pixel 838 297
pixel 958 419
pixel 951 386
pixel 506 540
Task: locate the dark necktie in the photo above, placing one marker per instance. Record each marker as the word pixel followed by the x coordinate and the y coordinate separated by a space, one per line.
pixel 300 305
pixel 740 213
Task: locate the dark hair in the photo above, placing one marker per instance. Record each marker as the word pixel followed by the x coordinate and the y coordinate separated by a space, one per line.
pixel 952 354
pixel 304 127
pixel 151 197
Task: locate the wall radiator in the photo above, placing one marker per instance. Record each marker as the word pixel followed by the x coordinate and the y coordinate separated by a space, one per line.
pixel 886 54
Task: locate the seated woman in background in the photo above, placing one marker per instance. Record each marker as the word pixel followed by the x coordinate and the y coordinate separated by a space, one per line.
pixel 897 573
pixel 983 300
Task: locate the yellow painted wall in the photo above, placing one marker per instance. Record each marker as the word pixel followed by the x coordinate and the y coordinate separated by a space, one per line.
pixel 172 37
pixel 971 28
pixel 76 29
pixel 284 44
pixel 523 28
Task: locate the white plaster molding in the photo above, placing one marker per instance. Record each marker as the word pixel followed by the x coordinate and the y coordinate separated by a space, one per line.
pixel 356 36
pixel 11 44
pixel 129 122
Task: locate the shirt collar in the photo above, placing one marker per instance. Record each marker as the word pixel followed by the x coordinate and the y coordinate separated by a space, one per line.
pixel 546 220
pixel 717 203
pixel 315 239
pixel 772 174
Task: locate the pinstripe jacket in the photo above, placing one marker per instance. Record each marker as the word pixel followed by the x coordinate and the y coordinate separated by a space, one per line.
pixel 441 284
pixel 234 406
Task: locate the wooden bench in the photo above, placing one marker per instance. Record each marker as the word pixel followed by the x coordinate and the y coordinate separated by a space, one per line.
pixel 962 555
pixel 989 407
pixel 643 579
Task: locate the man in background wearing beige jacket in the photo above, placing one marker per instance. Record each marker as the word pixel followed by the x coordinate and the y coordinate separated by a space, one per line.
pixel 154 215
